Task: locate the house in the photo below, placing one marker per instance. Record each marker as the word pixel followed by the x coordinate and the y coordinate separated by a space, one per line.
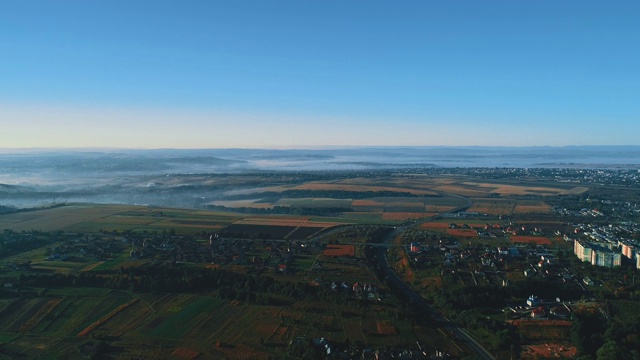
pixel 533 301
pixel 560 312
pixel 538 313
pixel 529 272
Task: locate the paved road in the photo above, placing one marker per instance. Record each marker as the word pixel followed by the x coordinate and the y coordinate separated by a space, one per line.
pixel 418 302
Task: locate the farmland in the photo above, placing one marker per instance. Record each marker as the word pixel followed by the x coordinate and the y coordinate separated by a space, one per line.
pixel 274 267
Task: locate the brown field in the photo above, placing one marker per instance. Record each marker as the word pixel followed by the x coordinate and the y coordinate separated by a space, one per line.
pixel 538 240
pixel 386 328
pixel 549 351
pixel 462 232
pixel 434 225
pixel 463 190
pixel 186 353
pixel 363 202
pixel 339 250
pixel 540 330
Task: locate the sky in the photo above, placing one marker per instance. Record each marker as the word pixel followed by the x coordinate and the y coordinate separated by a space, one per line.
pixel 304 74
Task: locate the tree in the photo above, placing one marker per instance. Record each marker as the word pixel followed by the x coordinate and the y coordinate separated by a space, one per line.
pixel 609 351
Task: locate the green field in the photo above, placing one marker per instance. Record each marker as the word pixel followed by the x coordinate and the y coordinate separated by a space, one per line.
pixel 179 320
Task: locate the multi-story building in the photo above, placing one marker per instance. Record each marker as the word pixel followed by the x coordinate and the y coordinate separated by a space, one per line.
pixel 582 252
pixel 628 250
pixel 597 254
pixel 606 258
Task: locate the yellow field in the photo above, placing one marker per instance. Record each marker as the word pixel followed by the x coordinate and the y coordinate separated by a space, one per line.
pixel 506 190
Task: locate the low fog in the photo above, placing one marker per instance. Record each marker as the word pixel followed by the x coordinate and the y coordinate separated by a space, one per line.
pixel 193 178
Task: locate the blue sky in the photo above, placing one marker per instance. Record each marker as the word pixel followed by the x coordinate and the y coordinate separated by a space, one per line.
pixel 274 74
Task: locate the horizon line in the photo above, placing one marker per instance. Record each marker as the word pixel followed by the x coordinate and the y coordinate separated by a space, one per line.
pixel 308 147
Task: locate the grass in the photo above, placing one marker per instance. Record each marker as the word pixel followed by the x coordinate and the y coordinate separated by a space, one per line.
pixel 113 263
pixel 303 262
pixel 6 337
pixel 627 310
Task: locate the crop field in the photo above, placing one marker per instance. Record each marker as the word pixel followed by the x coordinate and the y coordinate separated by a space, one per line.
pixel 483 189
pixel 57 315
pixel 543 329
pixel 315 203
pixel 302 233
pixel 57 218
pixel 294 221
pixel 263 231
pixel 94 218
pixel 464 190
pixel 435 225
pixel 64 267
pixel 113 263
pixel 359 185
pixel 179 319
pixel 362 217
pixel 403 216
pixel 537 240
pixel 529 206
pixel 339 250
pixel 493 206
pixel 462 232
pixel 440 208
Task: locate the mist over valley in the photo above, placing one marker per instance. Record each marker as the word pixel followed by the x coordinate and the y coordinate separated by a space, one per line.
pixel 194 178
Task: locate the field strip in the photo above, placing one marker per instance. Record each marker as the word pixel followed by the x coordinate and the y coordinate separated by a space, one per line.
pixel 42 312
pixel 106 318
